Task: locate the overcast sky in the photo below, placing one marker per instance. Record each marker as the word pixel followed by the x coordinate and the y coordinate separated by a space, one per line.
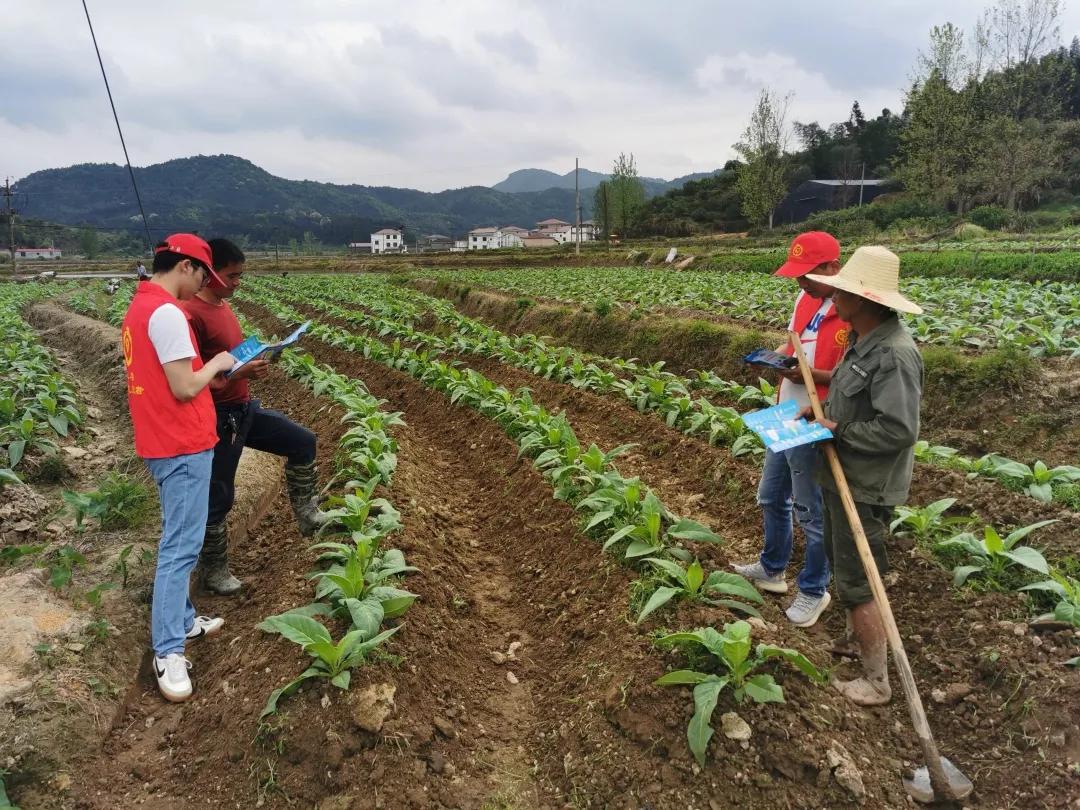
pixel 431 94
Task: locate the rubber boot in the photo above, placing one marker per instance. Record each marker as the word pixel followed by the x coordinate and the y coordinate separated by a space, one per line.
pixel 846 646
pixel 872 689
pixel 214 562
pixel 302 481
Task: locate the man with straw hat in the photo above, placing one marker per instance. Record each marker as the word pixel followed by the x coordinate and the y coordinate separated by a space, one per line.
pixel 873 413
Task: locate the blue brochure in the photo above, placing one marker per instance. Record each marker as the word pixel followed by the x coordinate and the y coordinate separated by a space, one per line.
pixel 780 427
pixel 770 359
pixel 253 348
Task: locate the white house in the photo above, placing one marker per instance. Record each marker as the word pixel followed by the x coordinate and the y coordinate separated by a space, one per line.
pixel 460 246
pixel 37 253
pixel 510 236
pixel 549 225
pixel 484 238
pixel 388 240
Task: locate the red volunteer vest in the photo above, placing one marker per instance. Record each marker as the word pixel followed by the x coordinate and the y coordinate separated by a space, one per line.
pixel 164 426
pixel 832 336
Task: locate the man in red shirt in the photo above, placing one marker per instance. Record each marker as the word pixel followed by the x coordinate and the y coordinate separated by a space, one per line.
pixel 173 419
pixel 787 479
pixel 242 422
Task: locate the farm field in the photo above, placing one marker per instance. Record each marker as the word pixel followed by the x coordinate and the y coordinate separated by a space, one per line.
pixel 547 514
pixel 1041 318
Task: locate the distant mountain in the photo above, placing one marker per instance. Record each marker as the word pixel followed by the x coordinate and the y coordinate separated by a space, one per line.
pixel 231 196
pixel 525 181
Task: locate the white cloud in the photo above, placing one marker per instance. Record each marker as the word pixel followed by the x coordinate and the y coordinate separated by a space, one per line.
pixel 433 95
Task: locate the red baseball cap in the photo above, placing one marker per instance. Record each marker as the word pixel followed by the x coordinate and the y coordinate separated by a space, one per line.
pixel 193 247
pixel 808 251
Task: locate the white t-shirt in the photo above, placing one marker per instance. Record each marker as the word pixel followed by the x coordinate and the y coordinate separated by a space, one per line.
pixel 169 332
pixel 790 390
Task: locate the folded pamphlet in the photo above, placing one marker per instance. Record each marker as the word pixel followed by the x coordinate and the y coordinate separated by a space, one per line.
pixel 253 348
pixel 780 427
pixel 770 359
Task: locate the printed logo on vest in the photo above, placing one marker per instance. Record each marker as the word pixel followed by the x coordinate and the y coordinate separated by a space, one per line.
pixel 841 336
pixel 125 341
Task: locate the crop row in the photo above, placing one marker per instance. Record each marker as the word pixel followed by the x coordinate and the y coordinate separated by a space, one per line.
pixel 37 405
pixel 1042 319
pixel 394 311
pixel 359 579
pixel 621 513
pixel 985 261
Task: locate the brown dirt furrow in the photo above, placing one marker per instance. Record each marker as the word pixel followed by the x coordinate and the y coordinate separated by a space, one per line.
pixel 978 655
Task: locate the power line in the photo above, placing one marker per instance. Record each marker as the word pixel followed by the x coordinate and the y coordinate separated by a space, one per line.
pixel 116 118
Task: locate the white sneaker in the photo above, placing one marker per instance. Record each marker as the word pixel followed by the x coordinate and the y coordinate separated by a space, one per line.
pixel 806 609
pixel 172 677
pixel 755 572
pixel 205 626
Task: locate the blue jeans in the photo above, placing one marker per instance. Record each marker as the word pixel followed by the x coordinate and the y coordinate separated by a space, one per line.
pixel 183 483
pixel 787 484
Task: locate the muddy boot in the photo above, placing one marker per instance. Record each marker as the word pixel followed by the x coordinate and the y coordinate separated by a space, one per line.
pixel 214 562
pixel 846 646
pixel 302 480
pixel 873 688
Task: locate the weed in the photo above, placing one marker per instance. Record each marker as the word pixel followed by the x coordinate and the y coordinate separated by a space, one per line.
pixel 65 561
pixel 119 503
pixel 270 735
pixel 99 629
pixel 9 555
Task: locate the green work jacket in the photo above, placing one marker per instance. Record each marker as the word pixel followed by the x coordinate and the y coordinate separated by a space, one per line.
pixel 874 400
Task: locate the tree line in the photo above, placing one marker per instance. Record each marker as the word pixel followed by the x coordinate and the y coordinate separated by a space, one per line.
pixel 991 121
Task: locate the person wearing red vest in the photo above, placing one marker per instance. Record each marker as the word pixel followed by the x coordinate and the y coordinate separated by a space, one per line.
pixel 172 415
pixel 788 484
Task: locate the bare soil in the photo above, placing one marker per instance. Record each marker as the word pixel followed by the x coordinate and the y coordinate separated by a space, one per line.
pixel 503 562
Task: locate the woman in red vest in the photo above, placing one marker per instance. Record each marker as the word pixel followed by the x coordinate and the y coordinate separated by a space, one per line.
pixel 175 432
pixel 787 480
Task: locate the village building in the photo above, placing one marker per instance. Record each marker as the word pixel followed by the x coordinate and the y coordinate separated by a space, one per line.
pixel 510 236
pixel 551 225
pixel 37 253
pixel 387 240
pixel 538 240
pixel 483 239
pixel 435 243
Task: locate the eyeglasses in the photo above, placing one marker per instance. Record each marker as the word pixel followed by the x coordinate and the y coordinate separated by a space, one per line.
pixel 205 274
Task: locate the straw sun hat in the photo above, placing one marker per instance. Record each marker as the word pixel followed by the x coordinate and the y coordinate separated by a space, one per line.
pixel 872 272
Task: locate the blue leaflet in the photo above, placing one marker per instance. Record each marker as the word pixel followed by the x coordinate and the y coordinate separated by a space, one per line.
pixel 770 359
pixel 252 347
pixel 780 428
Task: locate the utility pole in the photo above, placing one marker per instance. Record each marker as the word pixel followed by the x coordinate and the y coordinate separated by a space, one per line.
pixel 862 183
pixel 8 194
pixel 577 209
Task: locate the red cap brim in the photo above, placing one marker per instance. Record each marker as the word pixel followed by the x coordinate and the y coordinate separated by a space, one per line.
pixel 794 269
pixel 216 281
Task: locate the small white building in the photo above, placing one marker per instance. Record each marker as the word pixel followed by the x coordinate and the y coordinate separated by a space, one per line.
pixel 510 236
pixel 388 240
pixel 37 253
pixel 484 238
pixel 550 225
pixel 460 246
pixel 360 247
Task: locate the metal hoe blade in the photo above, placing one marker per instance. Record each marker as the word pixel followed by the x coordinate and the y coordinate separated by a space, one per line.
pixel 920 789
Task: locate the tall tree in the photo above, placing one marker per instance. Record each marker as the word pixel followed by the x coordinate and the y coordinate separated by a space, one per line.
pixel 627 194
pixel 762 179
pixel 89 244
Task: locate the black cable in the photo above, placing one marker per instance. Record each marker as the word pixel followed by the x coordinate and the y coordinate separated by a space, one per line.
pixel 116 118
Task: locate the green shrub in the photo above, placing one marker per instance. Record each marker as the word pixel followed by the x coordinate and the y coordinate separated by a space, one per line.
pixel 991 217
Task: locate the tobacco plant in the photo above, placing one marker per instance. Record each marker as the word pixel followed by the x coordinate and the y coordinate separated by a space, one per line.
pixel 332 661
pixel 992 555
pixel 926 523
pixel 1067 591
pixel 691 584
pixel 732 661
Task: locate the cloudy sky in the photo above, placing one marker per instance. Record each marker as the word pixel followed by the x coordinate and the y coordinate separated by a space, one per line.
pixel 431 94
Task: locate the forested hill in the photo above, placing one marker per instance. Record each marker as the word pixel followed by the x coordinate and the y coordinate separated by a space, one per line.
pixel 224 194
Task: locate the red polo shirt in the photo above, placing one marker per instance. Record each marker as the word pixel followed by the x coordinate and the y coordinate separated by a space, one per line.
pixel 217 330
pixel 164 426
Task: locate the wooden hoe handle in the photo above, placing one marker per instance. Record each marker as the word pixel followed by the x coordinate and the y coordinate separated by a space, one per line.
pixel 938 779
